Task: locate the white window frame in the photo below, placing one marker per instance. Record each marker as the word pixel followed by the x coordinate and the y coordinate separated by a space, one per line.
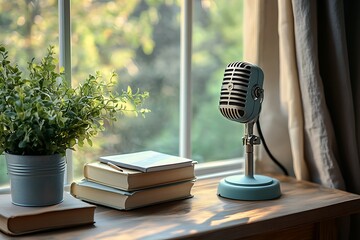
pixel 185 78
pixel 65 62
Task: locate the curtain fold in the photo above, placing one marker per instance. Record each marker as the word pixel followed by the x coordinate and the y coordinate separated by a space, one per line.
pixel 335 69
pixel 320 145
pixel 290 88
pixel 309 52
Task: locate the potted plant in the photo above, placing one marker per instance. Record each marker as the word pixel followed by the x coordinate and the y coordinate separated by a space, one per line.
pixel 41 116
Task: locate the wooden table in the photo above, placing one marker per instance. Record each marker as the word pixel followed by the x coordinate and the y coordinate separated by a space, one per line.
pixel 305 211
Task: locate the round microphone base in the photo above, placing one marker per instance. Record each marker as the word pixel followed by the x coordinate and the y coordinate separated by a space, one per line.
pixel 241 187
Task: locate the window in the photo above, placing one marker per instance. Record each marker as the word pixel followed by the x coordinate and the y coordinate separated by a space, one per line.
pixel 140 41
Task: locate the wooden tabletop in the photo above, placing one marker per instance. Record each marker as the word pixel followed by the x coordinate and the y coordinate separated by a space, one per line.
pixel 208 216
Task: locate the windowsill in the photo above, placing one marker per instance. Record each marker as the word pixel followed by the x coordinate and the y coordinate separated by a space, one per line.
pixel 5 190
pixel 219 168
pixel 202 170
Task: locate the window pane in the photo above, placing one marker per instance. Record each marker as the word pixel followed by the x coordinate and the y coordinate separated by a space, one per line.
pixel 139 40
pixel 27 29
pixel 217 41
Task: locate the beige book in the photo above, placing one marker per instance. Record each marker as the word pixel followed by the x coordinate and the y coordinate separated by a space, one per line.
pixel 17 220
pixel 130 180
pixel 123 200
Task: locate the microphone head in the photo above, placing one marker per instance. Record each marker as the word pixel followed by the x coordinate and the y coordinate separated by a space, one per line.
pixel 242 92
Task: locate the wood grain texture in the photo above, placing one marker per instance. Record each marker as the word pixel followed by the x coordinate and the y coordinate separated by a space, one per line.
pixel 304 211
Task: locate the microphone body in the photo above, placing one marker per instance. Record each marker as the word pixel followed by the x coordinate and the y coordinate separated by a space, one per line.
pixel 240 100
pixel 242 92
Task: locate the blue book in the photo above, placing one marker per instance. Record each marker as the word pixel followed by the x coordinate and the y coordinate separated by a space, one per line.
pixel 147 161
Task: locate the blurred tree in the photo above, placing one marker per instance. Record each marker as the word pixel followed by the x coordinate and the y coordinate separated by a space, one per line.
pixel 28 27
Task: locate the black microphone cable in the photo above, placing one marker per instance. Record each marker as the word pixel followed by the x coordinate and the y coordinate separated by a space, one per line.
pixel 268 151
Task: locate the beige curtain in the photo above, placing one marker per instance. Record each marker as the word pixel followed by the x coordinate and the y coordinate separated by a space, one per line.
pixel 262 48
pixel 309 53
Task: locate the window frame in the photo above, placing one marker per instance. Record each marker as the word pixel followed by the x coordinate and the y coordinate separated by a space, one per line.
pixel 185 78
pixel 65 62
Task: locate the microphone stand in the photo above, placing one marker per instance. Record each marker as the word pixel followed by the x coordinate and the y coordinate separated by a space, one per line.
pixel 249 140
pixel 249 186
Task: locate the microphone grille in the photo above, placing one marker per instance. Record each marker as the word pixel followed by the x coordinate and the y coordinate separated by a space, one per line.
pixel 237 100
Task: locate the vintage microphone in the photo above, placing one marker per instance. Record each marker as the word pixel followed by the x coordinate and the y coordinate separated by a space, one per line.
pixel 240 100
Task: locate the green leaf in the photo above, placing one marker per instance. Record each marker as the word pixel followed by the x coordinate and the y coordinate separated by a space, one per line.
pixel 89 141
pixel 22 144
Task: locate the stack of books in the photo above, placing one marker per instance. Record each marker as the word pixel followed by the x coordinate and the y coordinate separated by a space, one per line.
pixel 136 180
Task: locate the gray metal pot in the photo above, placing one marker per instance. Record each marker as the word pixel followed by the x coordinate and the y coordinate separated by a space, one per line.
pixel 36 180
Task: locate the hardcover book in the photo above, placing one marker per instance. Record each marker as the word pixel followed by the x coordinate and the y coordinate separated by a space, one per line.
pixel 123 200
pixel 17 220
pixel 131 180
pixel 147 161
